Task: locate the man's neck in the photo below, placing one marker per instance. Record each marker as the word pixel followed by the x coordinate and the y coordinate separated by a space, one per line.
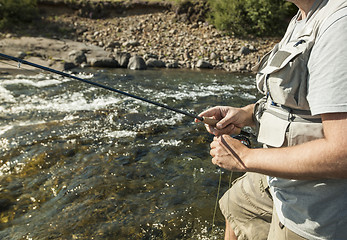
pixel 304 6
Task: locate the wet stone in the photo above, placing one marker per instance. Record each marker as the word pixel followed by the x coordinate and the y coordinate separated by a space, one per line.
pixel 137 63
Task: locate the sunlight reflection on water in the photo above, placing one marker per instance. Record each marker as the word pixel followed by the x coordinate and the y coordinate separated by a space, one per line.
pixel 81 162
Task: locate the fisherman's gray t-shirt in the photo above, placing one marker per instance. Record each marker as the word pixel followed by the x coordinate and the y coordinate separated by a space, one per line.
pixel 327 84
pixel 317 209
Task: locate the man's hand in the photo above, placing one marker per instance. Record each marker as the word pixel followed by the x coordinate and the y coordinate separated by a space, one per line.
pixel 317 159
pixel 230 119
pixel 228 153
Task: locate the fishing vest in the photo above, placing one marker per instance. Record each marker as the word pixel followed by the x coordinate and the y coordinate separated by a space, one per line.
pixel 283 116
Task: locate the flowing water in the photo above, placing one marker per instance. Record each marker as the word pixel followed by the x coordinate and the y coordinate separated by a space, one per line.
pixel 80 162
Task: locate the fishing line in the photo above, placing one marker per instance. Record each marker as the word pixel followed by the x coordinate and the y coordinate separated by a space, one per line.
pixel 217 198
pixel 245 141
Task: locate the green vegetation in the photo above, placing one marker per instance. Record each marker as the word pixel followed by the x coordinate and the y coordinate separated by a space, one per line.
pixel 251 17
pixel 16 11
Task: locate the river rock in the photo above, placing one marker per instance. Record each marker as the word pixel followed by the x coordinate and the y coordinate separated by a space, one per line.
pixel 68 66
pixel 213 56
pixel 113 44
pixel 203 64
pixel 21 55
pixel 123 59
pixel 150 55
pixel 61 65
pixel 245 51
pixel 77 57
pixel 105 62
pixel 137 63
pixel 131 43
pixel 172 64
pixel 155 63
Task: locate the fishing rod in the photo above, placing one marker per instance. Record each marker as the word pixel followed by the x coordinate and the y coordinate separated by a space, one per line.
pixel 21 61
pixel 207 120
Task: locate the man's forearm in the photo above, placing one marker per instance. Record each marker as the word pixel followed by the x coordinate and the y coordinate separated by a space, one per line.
pixel 312 160
pixel 321 158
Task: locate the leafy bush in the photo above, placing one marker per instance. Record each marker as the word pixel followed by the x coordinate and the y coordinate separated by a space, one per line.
pixel 251 17
pixel 16 11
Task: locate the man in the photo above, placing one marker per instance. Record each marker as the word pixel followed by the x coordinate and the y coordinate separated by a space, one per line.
pixel 295 187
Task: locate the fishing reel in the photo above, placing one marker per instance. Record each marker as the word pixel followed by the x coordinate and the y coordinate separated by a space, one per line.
pixel 244 140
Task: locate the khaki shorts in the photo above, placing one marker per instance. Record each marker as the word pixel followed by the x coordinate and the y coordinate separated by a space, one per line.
pixel 248 208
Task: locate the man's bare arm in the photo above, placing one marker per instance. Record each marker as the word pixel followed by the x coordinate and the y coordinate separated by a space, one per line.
pixel 322 158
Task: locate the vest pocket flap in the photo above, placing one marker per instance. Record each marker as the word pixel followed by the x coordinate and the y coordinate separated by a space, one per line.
pixel 280 60
pixel 272 130
pixel 301 132
pixel 260 64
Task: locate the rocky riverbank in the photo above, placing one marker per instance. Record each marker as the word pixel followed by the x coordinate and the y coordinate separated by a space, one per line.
pixel 138 38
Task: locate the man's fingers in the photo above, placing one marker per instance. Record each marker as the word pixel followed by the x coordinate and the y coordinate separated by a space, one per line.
pixel 210 112
pixel 227 121
pixel 214 143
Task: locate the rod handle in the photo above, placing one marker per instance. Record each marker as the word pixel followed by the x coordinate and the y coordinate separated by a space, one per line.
pixel 210 121
pixel 213 122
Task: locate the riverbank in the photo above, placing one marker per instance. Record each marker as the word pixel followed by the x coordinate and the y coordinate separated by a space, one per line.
pixel 137 37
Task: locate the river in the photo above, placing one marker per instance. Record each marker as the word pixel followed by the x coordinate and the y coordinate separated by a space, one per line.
pixel 80 162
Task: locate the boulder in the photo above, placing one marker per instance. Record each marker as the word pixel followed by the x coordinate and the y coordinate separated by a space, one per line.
pixel 77 57
pixel 68 66
pixel 61 65
pixel 203 64
pixel 155 63
pixel 137 63
pixel 172 64
pixel 123 59
pixel 105 62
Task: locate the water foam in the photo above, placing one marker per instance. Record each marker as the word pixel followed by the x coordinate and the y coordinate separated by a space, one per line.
pixel 121 134
pixel 34 83
pixel 64 103
pixel 170 142
pixel 6 96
